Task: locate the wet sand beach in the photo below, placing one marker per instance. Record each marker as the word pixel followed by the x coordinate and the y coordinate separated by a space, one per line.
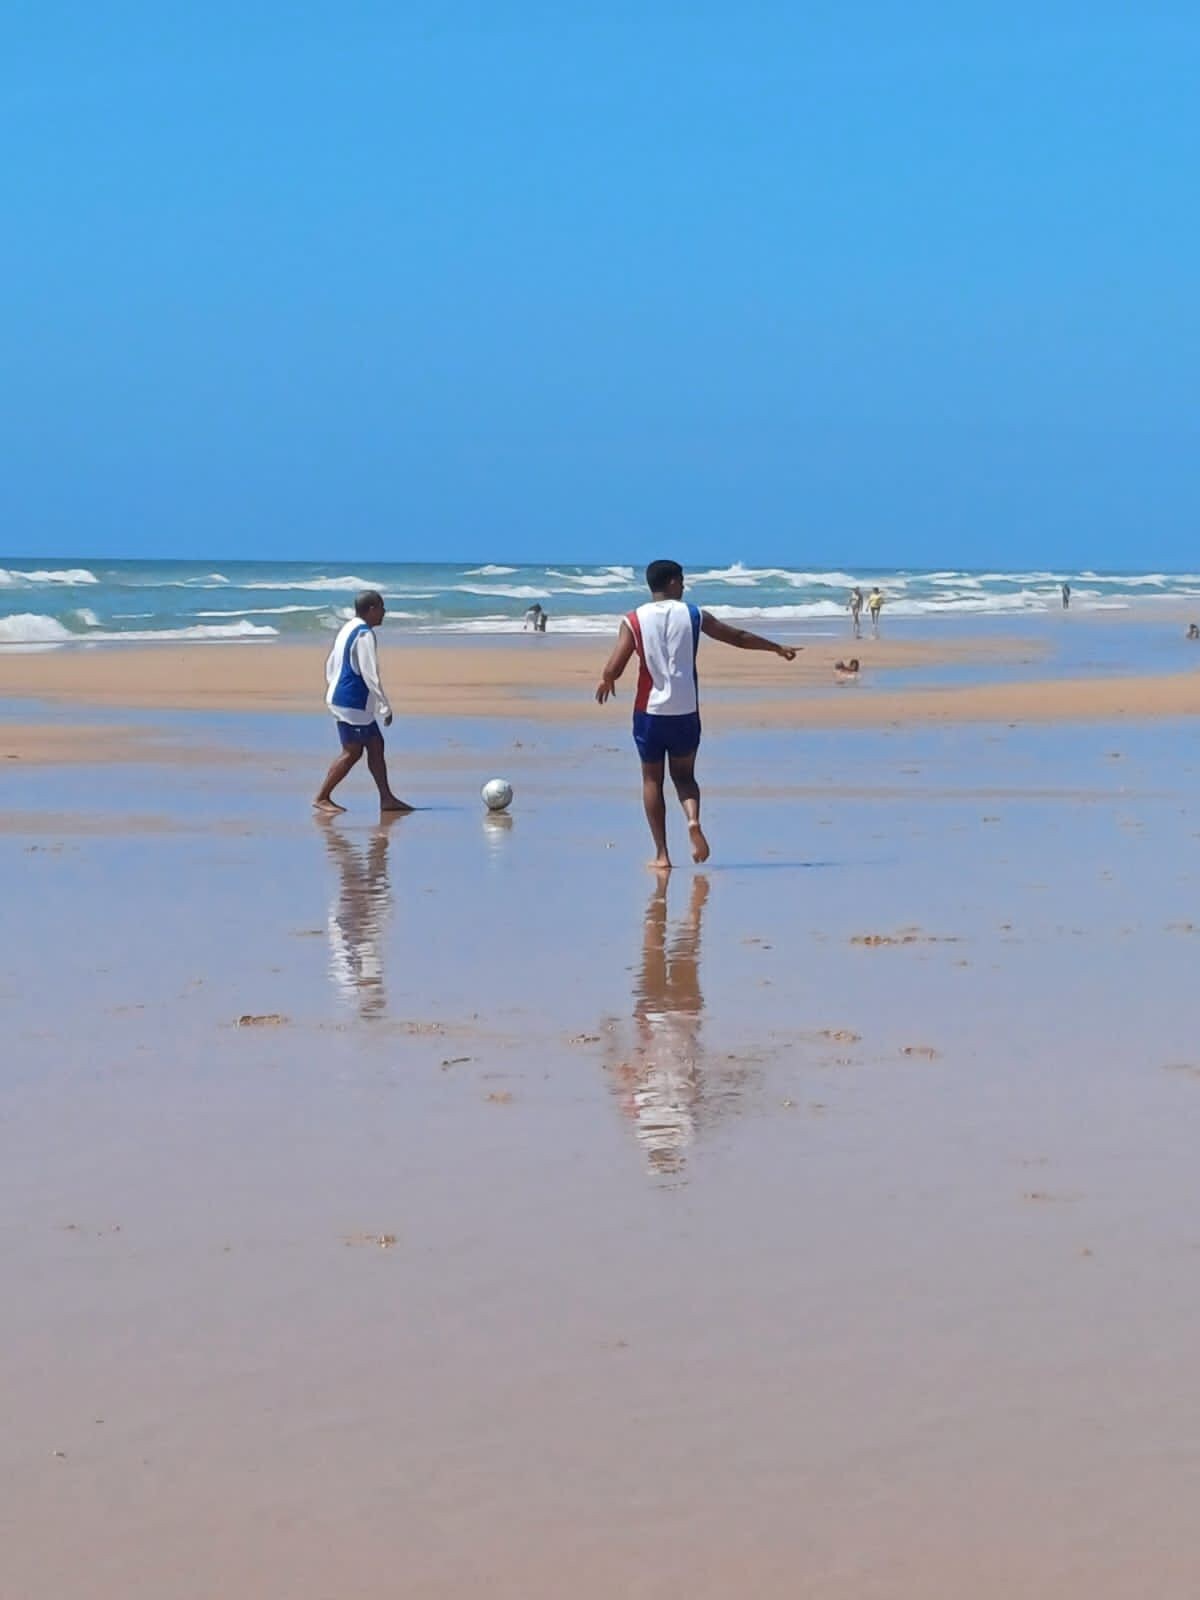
pixel 446 1206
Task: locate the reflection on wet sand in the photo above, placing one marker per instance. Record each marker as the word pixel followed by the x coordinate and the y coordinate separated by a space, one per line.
pixel 357 915
pixel 497 825
pixel 660 1085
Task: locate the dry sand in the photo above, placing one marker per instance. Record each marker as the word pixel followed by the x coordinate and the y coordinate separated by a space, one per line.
pixel 554 680
pixel 536 678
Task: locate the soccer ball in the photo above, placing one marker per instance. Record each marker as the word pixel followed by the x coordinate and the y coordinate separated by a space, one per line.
pixel 497 794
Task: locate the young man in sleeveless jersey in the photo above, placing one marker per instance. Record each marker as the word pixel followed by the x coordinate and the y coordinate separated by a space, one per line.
pixel 356 698
pixel 664 634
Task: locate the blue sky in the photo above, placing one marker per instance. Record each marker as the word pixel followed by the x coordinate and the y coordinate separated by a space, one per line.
pixel 848 283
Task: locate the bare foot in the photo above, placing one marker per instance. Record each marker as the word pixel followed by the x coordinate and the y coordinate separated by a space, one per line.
pixel 660 864
pixel 394 805
pixel 700 850
pixel 328 806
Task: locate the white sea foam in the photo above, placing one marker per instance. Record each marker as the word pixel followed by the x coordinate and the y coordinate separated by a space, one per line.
pixel 607 624
pixel 348 582
pixel 88 618
pixel 959 604
pixel 211 580
pixel 199 633
pixel 1024 577
pixel 30 627
pixel 489 571
pixel 934 605
pixel 509 624
pixel 739 576
pixel 779 613
pixel 826 580
pixel 214 580
pixel 511 591
pixel 1147 580
pixel 257 611
pixel 736 574
pixel 68 577
pixel 609 578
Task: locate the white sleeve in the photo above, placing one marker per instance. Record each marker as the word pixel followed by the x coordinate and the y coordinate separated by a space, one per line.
pixel 368 665
pixel 331 666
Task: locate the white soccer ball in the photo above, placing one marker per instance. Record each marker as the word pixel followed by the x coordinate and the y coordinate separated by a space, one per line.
pixel 497 794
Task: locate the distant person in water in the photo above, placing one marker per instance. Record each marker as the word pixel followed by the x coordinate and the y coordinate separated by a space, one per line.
pixel 1193 630
pixel 846 669
pixel 856 605
pixel 664 634
pixel 875 606
pixel 356 698
pixel 1066 596
pixel 535 618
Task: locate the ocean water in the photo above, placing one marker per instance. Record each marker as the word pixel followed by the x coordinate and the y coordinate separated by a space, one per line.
pixel 61 602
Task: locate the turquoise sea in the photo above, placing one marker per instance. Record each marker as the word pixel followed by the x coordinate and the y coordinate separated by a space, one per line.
pixel 50 602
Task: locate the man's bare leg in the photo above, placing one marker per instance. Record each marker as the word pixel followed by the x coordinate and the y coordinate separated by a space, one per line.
pixel 656 812
pixel 377 762
pixel 683 776
pixel 339 768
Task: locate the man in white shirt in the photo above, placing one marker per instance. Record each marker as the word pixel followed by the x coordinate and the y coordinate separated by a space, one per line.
pixel 665 635
pixel 355 697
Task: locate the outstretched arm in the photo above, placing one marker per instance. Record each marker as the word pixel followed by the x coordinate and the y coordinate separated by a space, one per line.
pixel 616 664
pixel 742 638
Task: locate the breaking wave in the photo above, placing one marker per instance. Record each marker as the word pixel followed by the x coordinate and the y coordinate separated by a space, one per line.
pixel 66 577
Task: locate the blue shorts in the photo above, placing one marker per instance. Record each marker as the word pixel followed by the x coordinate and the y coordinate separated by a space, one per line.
pixel 659 737
pixel 351 734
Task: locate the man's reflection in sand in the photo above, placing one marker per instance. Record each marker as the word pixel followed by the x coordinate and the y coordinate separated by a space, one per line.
pixel 358 913
pixel 660 1086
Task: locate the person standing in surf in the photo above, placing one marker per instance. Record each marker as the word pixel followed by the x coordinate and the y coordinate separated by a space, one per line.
pixel 356 698
pixel 664 634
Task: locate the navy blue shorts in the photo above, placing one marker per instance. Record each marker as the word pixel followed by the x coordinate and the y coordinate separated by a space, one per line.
pixel 659 737
pixel 351 734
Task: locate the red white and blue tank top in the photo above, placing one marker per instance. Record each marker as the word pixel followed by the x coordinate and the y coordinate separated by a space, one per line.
pixel 666 636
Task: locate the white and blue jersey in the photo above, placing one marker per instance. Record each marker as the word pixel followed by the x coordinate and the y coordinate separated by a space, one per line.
pixel 355 694
pixel 666 703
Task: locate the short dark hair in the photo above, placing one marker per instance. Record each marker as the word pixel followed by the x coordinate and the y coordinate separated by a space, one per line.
pixel 660 573
pixel 366 601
